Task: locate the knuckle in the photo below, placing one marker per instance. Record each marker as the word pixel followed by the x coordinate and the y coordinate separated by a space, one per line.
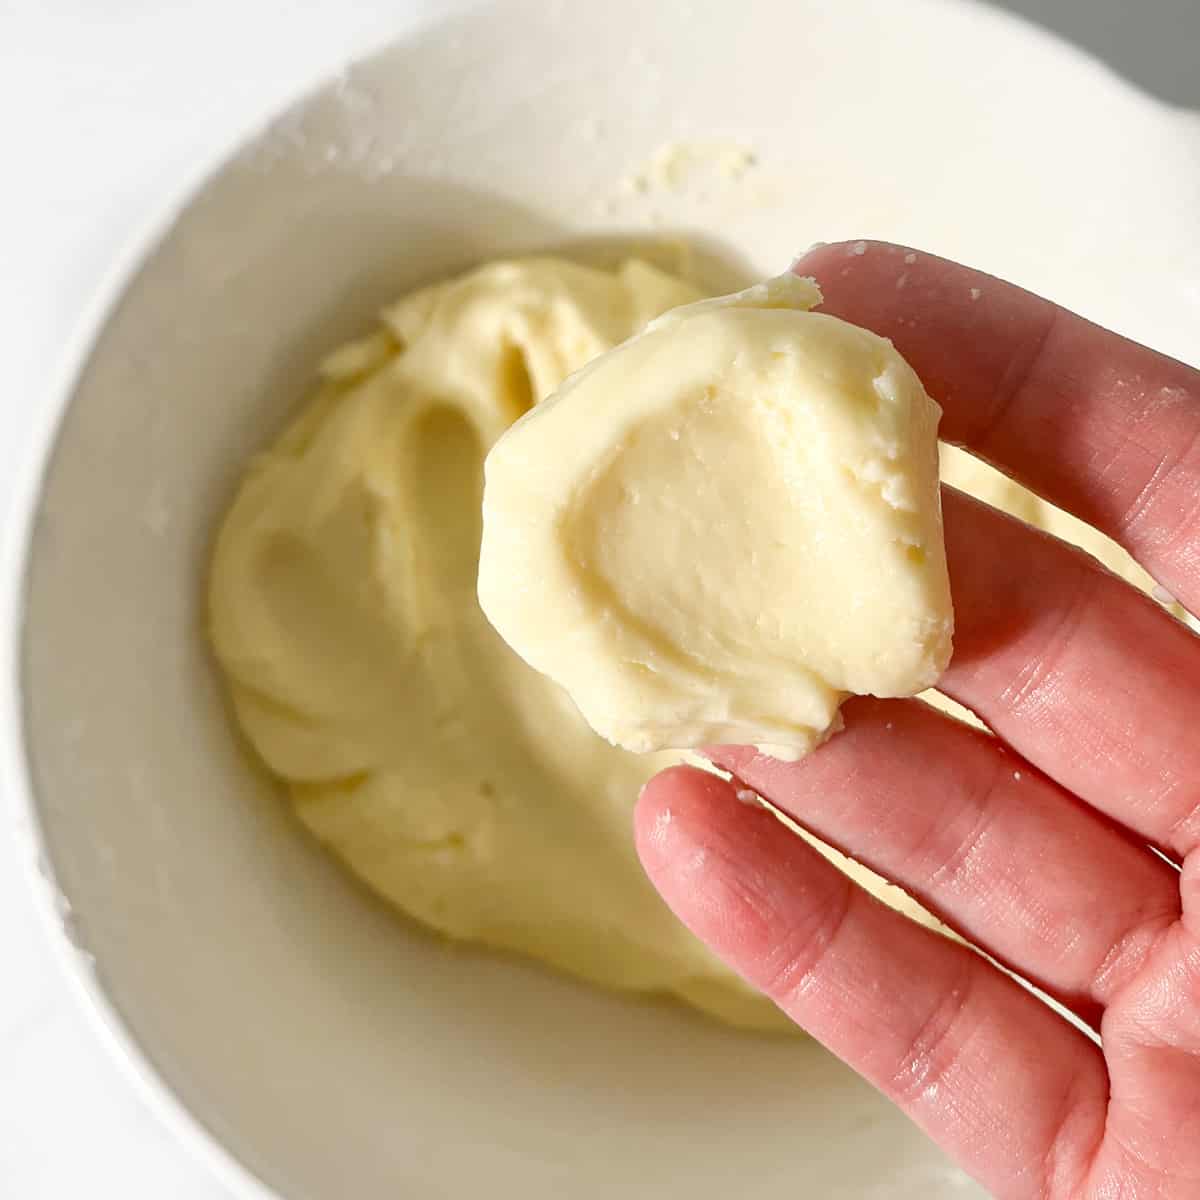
pixel 1160 1008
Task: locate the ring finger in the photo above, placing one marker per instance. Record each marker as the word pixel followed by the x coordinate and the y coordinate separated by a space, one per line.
pixel 1002 854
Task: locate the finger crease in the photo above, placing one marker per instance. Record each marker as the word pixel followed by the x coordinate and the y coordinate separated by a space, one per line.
pixel 1181 835
pixel 1181 462
pixel 945 875
pixel 801 964
pixel 1017 377
pixel 1129 952
pixel 1069 1157
pixel 1030 679
pixel 932 1051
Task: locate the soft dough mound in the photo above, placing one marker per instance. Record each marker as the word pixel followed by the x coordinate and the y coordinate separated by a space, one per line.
pixel 459 784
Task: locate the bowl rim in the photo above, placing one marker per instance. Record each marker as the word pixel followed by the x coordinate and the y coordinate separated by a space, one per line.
pixel 37 444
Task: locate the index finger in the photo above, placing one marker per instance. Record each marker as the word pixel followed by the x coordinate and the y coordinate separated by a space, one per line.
pixel 1093 422
pixel 1001 1082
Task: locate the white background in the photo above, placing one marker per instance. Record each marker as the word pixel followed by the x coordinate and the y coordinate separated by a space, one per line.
pixel 108 108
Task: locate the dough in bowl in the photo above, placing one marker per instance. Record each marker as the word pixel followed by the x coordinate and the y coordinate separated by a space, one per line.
pixel 457 782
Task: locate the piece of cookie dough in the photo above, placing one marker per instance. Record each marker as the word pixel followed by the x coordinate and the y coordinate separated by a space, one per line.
pixel 725 526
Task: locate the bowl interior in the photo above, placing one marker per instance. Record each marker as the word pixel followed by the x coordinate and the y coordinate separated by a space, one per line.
pixel 335 1049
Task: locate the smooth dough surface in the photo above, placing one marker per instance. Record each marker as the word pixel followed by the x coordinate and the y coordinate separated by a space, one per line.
pixel 723 527
pixel 456 781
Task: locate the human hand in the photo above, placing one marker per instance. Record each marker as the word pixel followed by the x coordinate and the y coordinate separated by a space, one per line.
pixel 1032 843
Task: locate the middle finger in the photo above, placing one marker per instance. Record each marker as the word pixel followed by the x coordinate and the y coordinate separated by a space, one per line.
pixel 1081 673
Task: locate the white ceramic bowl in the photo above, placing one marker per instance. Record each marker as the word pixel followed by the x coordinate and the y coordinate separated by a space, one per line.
pixel 293 1030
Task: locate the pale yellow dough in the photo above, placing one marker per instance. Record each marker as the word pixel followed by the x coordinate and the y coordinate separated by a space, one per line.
pixel 457 782
pixel 722 528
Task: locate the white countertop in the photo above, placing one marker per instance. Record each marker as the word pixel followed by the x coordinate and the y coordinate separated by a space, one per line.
pixel 110 109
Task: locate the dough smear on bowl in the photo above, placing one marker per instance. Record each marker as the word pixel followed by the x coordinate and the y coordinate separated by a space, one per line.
pixel 456 781
pixel 725 526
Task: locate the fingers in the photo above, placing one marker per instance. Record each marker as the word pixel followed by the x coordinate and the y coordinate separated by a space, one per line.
pixel 1097 424
pixel 1002 854
pixel 1079 672
pixel 1009 1089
